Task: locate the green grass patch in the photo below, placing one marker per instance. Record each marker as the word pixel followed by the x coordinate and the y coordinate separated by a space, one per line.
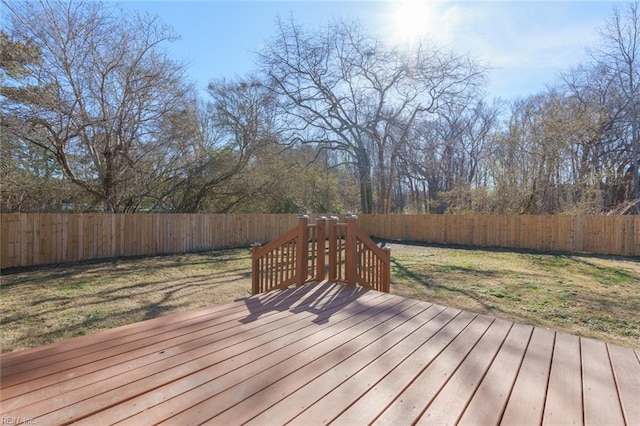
pixel 593 296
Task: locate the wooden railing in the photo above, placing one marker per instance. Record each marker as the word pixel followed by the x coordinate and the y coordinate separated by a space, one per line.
pixel 300 256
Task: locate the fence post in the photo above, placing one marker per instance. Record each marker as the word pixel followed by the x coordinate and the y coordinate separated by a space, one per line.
pixel 321 238
pixel 351 250
pixel 302 250
pixel 386 269
pixel 333 249
pixel 255 269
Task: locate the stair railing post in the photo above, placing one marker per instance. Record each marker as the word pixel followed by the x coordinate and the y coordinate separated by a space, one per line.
pixel 333 248
pixel 302 250
pixel 386 270
pixel 351 250
pixel 321 238
pixel 255 269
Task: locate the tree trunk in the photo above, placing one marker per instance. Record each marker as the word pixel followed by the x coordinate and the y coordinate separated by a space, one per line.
pixel 366 186
pixel 634 156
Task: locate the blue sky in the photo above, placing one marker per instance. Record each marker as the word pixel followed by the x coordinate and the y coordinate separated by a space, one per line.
pixel 526 42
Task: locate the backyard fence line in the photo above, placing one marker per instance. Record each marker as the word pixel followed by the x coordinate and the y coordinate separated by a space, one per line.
pixel 29 239
pixel 47 238
pixel 610 235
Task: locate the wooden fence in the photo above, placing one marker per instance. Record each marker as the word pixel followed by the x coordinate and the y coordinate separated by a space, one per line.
pixel 616 235
pixel 37 239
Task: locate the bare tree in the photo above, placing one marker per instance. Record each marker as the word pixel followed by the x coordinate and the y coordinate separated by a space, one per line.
pixel 450 150
pixel 601 176
pixel 345 90
pixel 620 54
pixel 103 87
pixel 224 136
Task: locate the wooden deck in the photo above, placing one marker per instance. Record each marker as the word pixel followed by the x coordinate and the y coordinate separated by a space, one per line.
pixel 323 353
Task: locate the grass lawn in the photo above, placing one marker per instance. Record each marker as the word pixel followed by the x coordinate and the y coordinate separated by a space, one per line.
pixel 593 296
pixel 587 295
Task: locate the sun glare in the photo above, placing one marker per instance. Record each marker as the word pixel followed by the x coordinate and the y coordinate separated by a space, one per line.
pixel 409 20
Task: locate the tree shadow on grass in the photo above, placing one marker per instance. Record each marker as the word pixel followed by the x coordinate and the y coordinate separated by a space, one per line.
pixel 124 266
pixel 606 274
pixel 425 282
pixel 61 316
pixel 596 311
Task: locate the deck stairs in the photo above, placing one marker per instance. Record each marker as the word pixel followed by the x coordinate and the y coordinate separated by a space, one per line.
pixel 324 250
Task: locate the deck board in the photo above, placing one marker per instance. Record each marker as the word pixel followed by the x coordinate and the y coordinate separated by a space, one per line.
pixel 626 368
pixel 564 395
pixel 323 353
pixel 490 399
pixel 452 400
pixel 527 399
pixel 601 399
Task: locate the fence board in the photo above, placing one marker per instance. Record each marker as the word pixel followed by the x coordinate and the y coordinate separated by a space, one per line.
pixel 44 238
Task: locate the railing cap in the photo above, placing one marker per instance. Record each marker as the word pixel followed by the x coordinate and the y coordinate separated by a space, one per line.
pixel 334 218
